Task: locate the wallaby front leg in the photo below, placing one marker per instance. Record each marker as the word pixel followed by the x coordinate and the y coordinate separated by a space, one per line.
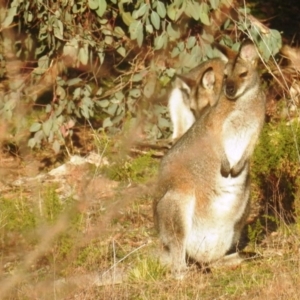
pixel 178 253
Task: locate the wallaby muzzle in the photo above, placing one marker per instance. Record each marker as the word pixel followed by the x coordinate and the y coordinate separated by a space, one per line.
pixel 230 89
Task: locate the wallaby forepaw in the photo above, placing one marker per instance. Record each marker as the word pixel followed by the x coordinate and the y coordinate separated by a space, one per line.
pixel 225 168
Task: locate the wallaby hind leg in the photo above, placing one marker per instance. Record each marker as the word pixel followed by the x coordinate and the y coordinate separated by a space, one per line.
pixel 173 225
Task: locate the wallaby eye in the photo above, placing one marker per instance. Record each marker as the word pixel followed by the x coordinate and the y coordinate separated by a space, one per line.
pixel 244 74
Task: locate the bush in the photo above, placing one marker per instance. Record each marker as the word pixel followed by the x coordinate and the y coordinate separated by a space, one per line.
pixel 109 59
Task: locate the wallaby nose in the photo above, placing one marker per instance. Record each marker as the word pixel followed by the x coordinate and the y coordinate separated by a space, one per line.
pixel 230 89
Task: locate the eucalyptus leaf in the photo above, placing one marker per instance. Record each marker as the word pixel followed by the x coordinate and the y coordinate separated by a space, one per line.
pixel 127 18
pixel 214 3
pixel 103 103
pixel 122 51
pixel 149 88
pixel 161 9
pixel 107 123
pixel 171 11
pixel 102 8
pixel 161 41
pixel 135 93
pixel 35 127
pixel 93 4
pixel 155 19
pixel 172 32
pixel 204 18
pixel 191 42
pixel 56 146
pixel 47 126
pixel 60 92
pixel 83 54
pixel 58 29
pixel 74 81
pixel 31 143
pixel 11 13
pixel 140 36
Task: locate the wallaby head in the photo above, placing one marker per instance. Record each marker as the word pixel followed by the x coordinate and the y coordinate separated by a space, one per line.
pixel 240 74
pixel 201 91
pixel 193 93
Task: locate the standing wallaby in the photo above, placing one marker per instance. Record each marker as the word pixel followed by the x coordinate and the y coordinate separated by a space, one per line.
pixel 203 186
pixel 186 108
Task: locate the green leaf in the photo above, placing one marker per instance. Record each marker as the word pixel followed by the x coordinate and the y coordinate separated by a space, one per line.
pixel 118 32
pixel 103 103
pixel 101 55
pixel 155 19
pixel 122 51
pixel 102 8
pixel 74 81
pixel 108 39
pixel 161 9
pixel 56 146
pixel 143 9
pixel 83 54
pixel 111 110
pixel 163 123
pixel 11 13
pixel 174 34
pixel 35 127
pixel 47 126
pixel 149 88
pixel 204 11
pixel 149 28
pixel 77 93
pixel 191 42
pixel 48 108
pixel 135 93
pixel 171 11
pixel 107 123
pixel 134 29
pixel 193 9
pixel 214 3
pixel 31 143
pixel 160 41
pixel 127 18
pixel 58 29
pixel 204 18
pixel 137 77
pixel 60 92
pixel 93 4
pixel 140 36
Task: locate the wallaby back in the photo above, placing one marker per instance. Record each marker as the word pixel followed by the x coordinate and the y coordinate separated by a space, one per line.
pixel 183 107
pixel 203 186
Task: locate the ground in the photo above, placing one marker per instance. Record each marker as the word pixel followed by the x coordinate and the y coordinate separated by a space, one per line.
pixel 73 230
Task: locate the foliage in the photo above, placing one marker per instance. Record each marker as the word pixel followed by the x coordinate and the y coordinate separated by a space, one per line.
pixel 147 269
pixel 136 170
pixel 16 214
pixel 112 58
pixel 275 168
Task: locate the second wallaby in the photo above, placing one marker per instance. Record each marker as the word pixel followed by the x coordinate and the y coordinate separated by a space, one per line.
pixel 184 107
pixel 203 186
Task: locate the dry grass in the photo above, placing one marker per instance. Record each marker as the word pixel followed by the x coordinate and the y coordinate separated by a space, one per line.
pixel 75 244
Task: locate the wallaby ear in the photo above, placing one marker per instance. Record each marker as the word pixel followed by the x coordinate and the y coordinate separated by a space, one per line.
pixel 208 79
pixel 248 52
pixel 227 53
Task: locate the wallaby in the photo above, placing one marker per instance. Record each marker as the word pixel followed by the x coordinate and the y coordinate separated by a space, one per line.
pixel 203 186
pixel 184 110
